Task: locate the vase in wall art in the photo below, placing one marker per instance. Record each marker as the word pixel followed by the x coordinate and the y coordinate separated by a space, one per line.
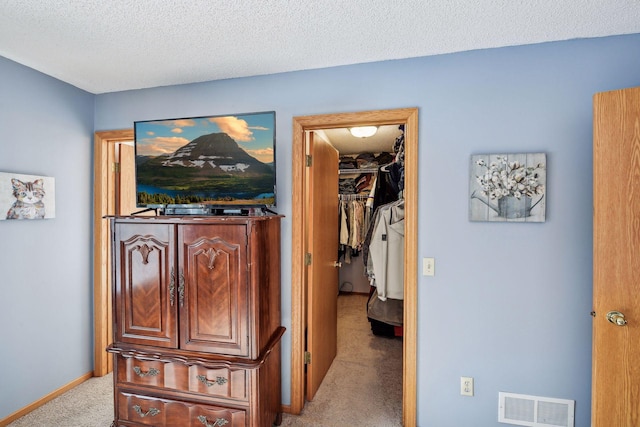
pixel 26 196
pixel 508 187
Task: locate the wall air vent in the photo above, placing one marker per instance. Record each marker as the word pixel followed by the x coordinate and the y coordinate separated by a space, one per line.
pixel 535 411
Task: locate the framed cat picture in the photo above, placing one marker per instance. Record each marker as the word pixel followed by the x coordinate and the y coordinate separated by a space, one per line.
pixel 26 196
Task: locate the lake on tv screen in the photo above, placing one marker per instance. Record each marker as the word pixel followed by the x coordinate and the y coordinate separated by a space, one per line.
pixel 206 196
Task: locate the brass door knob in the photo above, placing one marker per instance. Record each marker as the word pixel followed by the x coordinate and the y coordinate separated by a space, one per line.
pixel 616 318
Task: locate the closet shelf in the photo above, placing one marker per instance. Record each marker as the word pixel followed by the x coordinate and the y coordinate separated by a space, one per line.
pixel 357 171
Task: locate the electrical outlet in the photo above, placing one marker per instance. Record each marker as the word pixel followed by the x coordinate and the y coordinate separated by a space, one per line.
pixel 466 386
pixel 428 266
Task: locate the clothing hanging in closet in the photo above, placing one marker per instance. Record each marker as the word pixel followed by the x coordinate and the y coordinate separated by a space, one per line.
pixel 351 226
pixel 354 213
pixel 383 248
pixel 386 251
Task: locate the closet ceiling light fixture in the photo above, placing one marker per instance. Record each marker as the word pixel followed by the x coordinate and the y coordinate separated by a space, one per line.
pixel 363 131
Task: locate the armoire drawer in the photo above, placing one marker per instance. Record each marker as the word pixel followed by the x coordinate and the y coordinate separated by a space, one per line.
pixel 218 382
pixel 135 410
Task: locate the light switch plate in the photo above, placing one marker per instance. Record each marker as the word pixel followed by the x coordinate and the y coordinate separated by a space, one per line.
pixel 428 266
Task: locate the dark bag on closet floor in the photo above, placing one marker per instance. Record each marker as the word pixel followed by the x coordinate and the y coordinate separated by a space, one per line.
pixel 381 328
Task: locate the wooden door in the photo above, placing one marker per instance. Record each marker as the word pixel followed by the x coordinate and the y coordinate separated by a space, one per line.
pixel 215 309
pixel 126 180
pixel 616 258
pixel 147 285
pixel 322 244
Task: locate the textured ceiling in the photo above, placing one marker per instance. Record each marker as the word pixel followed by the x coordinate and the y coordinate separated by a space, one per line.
pixel 113 45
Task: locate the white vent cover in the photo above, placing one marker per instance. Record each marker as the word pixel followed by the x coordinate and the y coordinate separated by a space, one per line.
pixel 535 411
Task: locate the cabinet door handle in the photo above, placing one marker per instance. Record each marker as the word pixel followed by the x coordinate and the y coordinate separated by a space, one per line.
pixel 205 381
pixel 172 287
pixel 152 412
pixel 181 288
pixel 217 423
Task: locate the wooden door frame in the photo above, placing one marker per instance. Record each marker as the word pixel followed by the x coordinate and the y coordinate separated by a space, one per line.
pixel 302 124
pixel 102 192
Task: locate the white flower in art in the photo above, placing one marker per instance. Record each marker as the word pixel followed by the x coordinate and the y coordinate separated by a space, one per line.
pixel 503 179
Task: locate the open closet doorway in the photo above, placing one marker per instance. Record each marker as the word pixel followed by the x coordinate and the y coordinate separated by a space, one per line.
pixel 114 194
pixel 300 246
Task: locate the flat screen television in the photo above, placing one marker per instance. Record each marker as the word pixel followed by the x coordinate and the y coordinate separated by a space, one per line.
pixel 206 163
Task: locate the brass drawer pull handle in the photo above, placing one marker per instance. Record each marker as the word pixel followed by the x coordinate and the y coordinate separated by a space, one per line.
pixel 151 412
pixel 205 381
pixel 151 372
pixel 219 421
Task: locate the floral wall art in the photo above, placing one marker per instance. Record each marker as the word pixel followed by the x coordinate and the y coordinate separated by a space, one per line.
pixel 26 196
pixel 508 187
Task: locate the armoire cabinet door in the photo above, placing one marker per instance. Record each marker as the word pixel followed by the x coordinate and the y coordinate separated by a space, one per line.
pixel 146 285
pixel 214 310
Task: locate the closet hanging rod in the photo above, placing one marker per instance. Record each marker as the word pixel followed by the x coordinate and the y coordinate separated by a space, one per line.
pixel 344 197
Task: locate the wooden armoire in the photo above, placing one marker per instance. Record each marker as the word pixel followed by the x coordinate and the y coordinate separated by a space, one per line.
pixel 196 329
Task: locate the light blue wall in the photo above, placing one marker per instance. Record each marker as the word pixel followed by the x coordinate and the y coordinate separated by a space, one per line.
pixel 46 318
pixel 510 303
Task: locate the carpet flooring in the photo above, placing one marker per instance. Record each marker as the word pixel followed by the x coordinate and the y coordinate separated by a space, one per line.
pixel 364 384
pixel 89 404
pixel 362 388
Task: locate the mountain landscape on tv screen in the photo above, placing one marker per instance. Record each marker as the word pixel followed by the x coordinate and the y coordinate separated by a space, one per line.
pixel 210 169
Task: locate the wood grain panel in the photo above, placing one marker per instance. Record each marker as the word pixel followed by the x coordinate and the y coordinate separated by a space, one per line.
pixel 146 313
pixel 616 258
pixel 215 311
pixel 322 275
